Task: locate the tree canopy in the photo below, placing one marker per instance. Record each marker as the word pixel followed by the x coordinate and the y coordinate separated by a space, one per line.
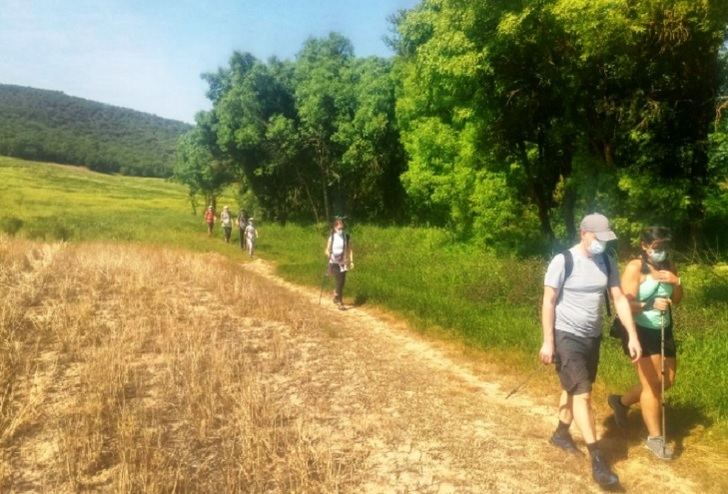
pixel 504 121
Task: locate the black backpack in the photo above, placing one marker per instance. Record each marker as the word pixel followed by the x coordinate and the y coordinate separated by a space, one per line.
pixel 569 267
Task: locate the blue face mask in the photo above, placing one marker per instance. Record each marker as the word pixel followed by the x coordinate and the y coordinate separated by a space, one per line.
pixel 657 256
pixel 596 247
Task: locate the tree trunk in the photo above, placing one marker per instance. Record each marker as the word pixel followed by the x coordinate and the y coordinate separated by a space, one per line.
pixel 311 202
pixel 537 195
pixel 568 211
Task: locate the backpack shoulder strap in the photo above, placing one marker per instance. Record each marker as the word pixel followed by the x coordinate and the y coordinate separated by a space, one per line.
pixel 607 258
pixel 568 263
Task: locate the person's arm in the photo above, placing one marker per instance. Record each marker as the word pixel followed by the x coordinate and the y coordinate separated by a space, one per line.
pixel 327 252
pixel 666 276
pixel 626 302
pixel 548 317
pixel 630 284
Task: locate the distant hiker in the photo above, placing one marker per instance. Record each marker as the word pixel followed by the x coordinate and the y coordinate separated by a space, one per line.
pixel 242 223
pixel 209 219
pixel 574 291
pixel 340 256
pixel 227 223
pixel 251 235
pixel 652 287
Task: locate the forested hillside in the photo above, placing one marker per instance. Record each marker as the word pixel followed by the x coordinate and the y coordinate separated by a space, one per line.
pixel 52 126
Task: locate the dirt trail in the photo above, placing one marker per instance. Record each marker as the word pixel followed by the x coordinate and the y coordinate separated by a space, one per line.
pixel 425 422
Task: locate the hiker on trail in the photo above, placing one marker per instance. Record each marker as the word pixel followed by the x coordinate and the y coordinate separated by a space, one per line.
pixel 227 223
pixel 341 258
pixel 209 219
pixel 575 286
pixel 251 235
pixel 652 287
pixel 242 224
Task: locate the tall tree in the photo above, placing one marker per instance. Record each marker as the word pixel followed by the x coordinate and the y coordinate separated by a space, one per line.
pixel 487 89
pixel 373 158
pixel 324 93
pixel 200 164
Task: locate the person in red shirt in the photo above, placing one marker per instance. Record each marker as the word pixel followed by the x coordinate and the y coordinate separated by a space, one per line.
pixel 209 219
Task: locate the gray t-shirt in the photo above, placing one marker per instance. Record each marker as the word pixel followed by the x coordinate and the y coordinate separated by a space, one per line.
pixel 581 297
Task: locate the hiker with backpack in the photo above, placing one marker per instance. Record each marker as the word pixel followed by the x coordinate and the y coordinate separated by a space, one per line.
pixel 209 219
pixel 242 224
pixel 226 219
pixel 652 287
pixel 340 257
pixel 251 235
pixel 575 289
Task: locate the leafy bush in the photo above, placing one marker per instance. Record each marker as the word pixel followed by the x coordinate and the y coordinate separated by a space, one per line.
pixel 10 224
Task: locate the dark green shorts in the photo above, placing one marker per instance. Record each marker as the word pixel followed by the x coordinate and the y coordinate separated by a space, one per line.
pixel 577 359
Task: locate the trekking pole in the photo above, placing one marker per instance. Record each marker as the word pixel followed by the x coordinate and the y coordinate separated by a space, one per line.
pixel 662 381
pixel 323 282
pixel 524 382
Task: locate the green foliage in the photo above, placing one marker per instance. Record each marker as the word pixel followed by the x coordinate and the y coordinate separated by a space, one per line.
pixel 48 125
pixel 576 106
pixel 198 165
pixel 311 137
pixel 10 225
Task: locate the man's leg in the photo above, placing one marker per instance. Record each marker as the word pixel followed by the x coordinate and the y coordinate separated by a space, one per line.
pixel 584 417
pixel 566 414
pixel 561 436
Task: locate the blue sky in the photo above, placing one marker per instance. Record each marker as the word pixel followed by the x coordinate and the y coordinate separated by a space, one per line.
pixel 148 55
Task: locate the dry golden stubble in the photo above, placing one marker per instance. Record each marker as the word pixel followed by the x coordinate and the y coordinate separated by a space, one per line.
pixel 162 379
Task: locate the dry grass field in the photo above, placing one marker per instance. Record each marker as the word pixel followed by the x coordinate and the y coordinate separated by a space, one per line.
pixel 137 369
pixel 134 370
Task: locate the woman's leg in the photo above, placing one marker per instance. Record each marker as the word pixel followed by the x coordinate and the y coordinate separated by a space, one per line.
pixel 633 395
pixel 340 277
pixel 649 371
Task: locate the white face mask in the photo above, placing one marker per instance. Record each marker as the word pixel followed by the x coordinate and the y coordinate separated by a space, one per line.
pixel 657 256
pixel 596 247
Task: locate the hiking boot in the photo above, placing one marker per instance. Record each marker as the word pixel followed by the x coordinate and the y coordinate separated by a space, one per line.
pixel 601 472
pixel 337 300
pixel 564 441
pixel 659 448
pixel 620 411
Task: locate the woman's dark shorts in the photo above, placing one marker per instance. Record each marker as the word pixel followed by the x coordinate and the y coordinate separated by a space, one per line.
pixel 577 359
pixel 650 341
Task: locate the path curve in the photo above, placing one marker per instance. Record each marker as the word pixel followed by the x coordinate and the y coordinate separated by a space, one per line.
pixel 428 422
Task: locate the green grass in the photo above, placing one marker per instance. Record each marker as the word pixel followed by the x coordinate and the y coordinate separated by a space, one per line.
pixel 489 302
pixel 47 202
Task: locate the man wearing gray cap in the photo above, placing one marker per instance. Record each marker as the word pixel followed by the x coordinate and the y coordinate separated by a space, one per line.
pixel 575 286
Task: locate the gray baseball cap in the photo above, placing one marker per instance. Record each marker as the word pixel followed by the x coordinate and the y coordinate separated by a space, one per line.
pixel 599 225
